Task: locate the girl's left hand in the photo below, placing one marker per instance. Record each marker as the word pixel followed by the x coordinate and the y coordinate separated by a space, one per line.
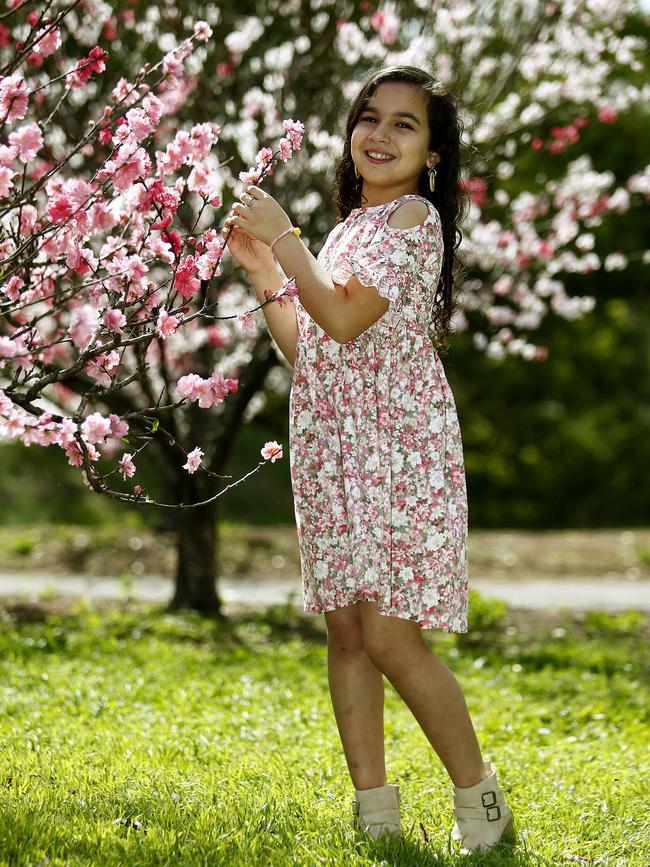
pixel 259 214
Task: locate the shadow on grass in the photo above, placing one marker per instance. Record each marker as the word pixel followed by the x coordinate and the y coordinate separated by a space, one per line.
pixel 534 640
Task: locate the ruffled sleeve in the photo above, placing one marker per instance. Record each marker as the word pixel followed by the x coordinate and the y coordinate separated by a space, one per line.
pixel 391 259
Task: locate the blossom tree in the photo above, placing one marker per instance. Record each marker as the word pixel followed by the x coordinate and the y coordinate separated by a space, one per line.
pixel 123 333
pixel 103 304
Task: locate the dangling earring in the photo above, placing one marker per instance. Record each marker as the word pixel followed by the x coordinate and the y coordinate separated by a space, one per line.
pixel 432 178
pixel 356 173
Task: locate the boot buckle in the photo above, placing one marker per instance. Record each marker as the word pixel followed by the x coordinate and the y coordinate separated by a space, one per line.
pixel 491 804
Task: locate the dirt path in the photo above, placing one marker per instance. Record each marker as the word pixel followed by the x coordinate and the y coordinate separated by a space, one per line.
pixel 581 570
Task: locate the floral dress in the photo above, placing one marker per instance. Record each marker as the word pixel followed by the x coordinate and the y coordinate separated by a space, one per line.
pixel 376 458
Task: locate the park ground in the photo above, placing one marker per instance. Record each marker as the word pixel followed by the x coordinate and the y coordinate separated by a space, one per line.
pixel 134 736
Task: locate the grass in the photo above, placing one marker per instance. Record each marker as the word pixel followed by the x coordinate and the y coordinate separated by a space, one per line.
pixel 133 736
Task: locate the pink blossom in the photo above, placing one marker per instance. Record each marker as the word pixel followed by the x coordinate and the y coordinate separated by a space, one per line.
pixel 6 404
pixel 95 428
pixel 114 320
pixel 285 293
pixel 386 23
pixel 8 348
pixel 8 154
pixel 208 264
pixel 607 114
pixel 206 183
pixel 247 322
pixel 66 432
pixel 295 130
pixel 264 156
pixel 139 123
pixel 166 324
pixel 154 108
pixel 271 450
pixel 14 95
pixel 28 139
pixel 83 324
pixel 74 453
pixel 119 428
pixel 250 177
pixel 81 259
pixel 173 65
pixel 95 62
pixel 47 41
pixel 285 149
pixel 12 287
pixel 202 31
pixel 59 209
pixel 194 459
pixel 208 392
pixel 6 180
pixel 477 190
pixel 101 367
pixel 217 387
pixel 188 386
pixel 28 219
pixel 186 282
pixel 202 137
pixel 126 465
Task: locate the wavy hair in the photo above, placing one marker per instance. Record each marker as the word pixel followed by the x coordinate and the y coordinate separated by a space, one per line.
pixel 449 197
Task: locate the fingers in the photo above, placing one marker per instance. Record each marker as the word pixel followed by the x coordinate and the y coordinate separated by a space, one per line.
pixel 230 223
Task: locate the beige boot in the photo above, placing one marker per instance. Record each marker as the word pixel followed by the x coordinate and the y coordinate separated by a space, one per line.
pixel 377 811
pixel 483 818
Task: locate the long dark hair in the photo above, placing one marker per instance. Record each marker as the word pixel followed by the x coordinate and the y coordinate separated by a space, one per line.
pixel 449 197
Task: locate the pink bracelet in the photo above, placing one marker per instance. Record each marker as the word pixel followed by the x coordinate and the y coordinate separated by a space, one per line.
pixel 295 231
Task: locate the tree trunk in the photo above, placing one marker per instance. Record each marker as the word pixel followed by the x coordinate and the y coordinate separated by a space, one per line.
pixel 196 546
pixel 197 531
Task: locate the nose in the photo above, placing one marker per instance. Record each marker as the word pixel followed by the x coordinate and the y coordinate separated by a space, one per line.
pixel 379 133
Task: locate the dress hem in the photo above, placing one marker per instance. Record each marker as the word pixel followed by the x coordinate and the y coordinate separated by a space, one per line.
pixel 423 624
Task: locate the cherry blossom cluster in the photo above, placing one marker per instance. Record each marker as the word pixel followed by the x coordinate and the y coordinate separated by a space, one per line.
pixel 99 293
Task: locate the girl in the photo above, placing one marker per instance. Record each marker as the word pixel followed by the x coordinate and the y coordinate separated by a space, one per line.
pixel 375 449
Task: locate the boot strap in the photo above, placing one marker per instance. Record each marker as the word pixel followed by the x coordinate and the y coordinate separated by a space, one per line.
pixel 491 813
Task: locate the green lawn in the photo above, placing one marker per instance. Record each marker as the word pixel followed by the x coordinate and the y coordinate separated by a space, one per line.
pixel 138 737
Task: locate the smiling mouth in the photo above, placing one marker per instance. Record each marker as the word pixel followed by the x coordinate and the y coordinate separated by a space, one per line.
pixel 385 159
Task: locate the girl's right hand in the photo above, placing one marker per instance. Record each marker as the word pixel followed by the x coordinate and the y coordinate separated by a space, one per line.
pixel 252 255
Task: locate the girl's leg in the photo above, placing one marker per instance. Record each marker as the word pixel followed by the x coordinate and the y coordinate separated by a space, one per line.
pixel 357 691
pixel 428 687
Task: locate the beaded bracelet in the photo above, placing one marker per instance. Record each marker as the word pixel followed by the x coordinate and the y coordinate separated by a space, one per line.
pixel 295 231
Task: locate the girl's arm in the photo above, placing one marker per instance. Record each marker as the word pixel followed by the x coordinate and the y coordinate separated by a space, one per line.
pixel 343 312
pixel 281 320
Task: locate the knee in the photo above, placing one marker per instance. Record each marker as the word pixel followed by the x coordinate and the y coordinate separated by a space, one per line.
pixel 344 633
pixel 380 653
pixel 387 655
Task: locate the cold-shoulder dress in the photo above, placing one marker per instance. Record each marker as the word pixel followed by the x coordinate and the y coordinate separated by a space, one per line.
pixel 376 457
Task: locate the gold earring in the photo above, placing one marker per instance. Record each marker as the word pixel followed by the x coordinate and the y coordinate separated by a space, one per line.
pixel 356 173
pixel 432 178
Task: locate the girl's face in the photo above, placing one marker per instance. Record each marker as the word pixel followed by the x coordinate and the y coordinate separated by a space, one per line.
pixel 394 123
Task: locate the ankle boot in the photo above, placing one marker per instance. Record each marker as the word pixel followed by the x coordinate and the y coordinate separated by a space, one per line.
pixel 377 811
pixel 483 818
